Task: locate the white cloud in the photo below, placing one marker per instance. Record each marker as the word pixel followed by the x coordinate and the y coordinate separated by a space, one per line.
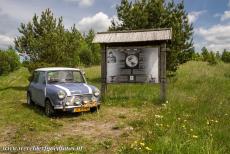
pixel 22 12
pixel 82 2
pixel 5 41
pixel 215 38
pixel 98 22
pixel 225 16
pixel 193 16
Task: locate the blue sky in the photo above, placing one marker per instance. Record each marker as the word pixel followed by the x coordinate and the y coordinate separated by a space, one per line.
pixel 211 18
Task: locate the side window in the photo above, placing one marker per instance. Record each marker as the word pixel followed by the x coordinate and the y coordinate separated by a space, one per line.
pixel 35 77
pixel 41 78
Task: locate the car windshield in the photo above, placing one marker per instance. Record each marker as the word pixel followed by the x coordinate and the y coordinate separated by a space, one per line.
pixel 64 76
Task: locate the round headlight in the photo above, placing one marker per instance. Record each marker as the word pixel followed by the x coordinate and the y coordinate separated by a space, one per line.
pixel 96 92
pixel 85 100
pixel 77 101
pixel 61 94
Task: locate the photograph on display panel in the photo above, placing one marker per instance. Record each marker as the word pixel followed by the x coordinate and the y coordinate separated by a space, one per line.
pixel 132 65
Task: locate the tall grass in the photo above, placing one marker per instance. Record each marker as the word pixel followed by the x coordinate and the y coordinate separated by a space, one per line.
pixel 195 119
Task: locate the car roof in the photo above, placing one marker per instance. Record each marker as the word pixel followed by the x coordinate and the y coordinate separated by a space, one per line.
pixel 57 69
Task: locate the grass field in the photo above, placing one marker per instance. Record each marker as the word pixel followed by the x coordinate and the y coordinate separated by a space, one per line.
pixel 195 119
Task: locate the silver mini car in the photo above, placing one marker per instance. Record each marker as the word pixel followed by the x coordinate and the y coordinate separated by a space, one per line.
pixel 65 89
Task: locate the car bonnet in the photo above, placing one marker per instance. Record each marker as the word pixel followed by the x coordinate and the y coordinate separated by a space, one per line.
pixel 74 88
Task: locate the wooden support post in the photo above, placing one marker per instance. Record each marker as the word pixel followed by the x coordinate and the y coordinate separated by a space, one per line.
pixel 103 71
pixel 163 79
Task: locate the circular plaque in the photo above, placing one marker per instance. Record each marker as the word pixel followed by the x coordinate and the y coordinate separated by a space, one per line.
pixel 131 60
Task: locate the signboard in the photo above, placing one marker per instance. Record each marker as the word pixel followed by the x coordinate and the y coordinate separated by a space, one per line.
pixel 132 65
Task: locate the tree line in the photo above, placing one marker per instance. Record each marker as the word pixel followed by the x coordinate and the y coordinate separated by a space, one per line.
pixel 212 57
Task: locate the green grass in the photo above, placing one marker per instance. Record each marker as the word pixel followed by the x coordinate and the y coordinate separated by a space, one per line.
pixel 195 119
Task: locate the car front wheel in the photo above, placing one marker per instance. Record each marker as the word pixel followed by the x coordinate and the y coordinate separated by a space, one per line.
pixel 49 110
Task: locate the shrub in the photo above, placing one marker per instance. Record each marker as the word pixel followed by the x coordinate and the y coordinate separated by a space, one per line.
pixel 35 65
pixel 25 63
pixel 9 61
pixel 212 60
pixel 86 57
pixel 13 60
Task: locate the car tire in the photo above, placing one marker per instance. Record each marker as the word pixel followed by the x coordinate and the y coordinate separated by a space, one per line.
pixel 49 109
pixel 29 99
pixel 95 109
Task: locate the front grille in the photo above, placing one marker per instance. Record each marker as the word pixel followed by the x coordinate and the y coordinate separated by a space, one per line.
pixel 85 97
pixel 88 96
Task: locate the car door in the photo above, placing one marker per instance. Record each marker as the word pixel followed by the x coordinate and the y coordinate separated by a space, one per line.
pixel 33 85
pixel 40 88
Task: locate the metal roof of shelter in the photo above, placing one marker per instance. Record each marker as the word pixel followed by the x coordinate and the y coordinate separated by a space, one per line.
pixel 134 36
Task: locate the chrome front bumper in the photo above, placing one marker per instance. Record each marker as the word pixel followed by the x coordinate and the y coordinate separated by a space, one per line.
pixel 88 105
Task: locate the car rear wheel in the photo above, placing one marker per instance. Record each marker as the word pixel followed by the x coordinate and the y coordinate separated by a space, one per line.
pixel 49 110
pixel 29 100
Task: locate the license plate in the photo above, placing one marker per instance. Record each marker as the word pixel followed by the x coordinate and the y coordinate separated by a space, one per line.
pixel 81 109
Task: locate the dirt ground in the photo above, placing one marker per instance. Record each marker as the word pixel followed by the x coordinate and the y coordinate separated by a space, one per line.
pixel 106 128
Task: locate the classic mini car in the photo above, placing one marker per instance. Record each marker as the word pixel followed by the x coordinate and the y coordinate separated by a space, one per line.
pixel 64 89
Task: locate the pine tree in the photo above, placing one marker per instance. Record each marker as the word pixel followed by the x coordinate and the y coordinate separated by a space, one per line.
pixel 147 14
pixel 226 56
pixel 46 40
pixel 212 59
pixel 205 54
pixel 218 56
pixel 95 48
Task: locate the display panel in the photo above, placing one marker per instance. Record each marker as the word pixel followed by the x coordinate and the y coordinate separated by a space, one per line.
pixel 132 65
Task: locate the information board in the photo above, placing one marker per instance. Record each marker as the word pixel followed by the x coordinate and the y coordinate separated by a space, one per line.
pixel 132 65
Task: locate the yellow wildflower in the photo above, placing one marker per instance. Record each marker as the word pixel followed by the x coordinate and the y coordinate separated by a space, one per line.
pixel 191 130
pixel 142 144
pixel 158 116
pixel 132 145
pixel 147 148
pixel 216 121
pixel 194 136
